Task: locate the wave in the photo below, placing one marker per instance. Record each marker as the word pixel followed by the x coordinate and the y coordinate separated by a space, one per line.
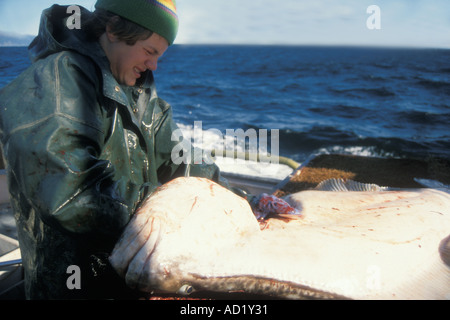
pixel 442 86
pixel 315 138
pixel 381 92
pixel 419 117
pixel 323 139
pixel 341 110
pixel 364 151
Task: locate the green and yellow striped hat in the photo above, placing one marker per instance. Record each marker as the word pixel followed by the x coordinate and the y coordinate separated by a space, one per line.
pixel 159 16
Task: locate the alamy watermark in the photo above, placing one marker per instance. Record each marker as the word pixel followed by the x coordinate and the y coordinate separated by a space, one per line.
pixel 74 280
pixel 373 22
pixel 251 145
pixel 74 21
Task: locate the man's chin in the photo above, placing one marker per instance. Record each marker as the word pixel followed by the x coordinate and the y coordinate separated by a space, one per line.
pixel 130 82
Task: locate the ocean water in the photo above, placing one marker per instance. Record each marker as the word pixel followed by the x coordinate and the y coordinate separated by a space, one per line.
pixel 363 101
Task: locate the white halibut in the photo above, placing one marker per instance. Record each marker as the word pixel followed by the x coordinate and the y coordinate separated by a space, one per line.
pixel 194 234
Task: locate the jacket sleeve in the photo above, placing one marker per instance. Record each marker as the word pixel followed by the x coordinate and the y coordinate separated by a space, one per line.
pixel 54 153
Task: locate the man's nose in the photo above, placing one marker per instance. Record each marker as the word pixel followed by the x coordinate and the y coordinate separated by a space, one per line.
pixel 151 64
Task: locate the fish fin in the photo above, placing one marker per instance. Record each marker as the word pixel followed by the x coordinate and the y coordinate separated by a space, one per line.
pixel 348 185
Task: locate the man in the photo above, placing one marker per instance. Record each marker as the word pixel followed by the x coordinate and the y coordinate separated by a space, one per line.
pixel 85 139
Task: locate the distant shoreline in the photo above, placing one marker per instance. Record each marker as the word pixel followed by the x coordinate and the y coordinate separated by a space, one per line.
pixel 15 40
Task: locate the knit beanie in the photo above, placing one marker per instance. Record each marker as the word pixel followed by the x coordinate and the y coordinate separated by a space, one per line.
pixel 159 16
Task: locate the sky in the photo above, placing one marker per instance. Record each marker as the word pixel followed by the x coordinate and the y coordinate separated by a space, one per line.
pixel 416 23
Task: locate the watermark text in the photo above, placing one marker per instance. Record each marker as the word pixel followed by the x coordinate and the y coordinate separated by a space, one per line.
pixel 74 21
pixel 251 145
pixel 374 20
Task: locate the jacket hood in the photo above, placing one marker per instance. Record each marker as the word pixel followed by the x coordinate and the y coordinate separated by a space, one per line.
pixel 54 35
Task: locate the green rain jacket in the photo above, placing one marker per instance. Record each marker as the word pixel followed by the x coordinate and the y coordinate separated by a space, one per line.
pixel 81 154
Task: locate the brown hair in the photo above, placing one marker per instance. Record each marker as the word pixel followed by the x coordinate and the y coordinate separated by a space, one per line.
pixel 124 29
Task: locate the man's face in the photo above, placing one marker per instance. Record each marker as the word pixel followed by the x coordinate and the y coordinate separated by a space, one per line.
pixel 128 62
